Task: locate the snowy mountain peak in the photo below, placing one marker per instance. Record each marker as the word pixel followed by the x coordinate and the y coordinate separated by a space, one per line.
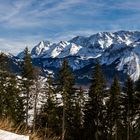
pixel 41 48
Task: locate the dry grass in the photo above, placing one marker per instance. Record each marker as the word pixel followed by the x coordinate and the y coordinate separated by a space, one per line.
pixel 7 125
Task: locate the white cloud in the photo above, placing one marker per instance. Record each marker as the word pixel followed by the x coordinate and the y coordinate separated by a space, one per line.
pixel 15 46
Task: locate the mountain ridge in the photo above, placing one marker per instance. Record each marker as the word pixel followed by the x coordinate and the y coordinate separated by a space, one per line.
pixel 119 49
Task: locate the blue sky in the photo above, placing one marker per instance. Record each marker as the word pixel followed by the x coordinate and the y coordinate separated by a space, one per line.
pixel 26 22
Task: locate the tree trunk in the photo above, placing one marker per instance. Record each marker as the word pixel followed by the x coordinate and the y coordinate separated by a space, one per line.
pixel 35 105
pixel 27 106
pixel 63 117
pixel 63 124
pixel 128 128
pixel 116 131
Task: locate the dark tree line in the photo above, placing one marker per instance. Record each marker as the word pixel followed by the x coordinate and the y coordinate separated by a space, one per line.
pixel 61 109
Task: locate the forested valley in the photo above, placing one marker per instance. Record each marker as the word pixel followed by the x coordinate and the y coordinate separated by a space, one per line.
pixel 56 107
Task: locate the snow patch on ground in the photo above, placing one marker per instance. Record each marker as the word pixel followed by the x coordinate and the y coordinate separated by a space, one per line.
pixel 4 135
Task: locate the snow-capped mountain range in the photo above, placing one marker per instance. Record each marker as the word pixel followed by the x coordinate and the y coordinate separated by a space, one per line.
pixel 118 52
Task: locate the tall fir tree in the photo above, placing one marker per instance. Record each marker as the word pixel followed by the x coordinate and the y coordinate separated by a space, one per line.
pixel 114 111
pixel 11 104
pixel 3 81
pixel 129 108
pixel 66 87
pixel 27 81
pixel 94 112
pixel 13 101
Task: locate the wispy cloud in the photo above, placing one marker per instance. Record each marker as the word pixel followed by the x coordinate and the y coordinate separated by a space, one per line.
pixel 31 13
pixel 16 45
pixel 25 22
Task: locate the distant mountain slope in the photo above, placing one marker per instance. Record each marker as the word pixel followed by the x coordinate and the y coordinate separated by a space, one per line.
pixel 116 51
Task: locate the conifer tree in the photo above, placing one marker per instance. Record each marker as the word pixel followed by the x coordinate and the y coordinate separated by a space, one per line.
pixel 3 77
pixel 3 62
pixel 93 120
pixel 48 119
pixel 113 110
pixel 137 109
pixel 27 82
pixel 27 68
pixel 129 108
pixel 3 81
pixel 66 87
pixel 11 104
pixel 78 110
pixel 13 101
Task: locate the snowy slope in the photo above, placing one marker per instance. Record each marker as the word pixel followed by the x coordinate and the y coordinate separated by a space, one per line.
pixel 127 60
pixel 5 135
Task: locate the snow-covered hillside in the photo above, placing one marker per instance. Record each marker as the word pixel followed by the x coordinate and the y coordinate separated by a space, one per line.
pixel 121 48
